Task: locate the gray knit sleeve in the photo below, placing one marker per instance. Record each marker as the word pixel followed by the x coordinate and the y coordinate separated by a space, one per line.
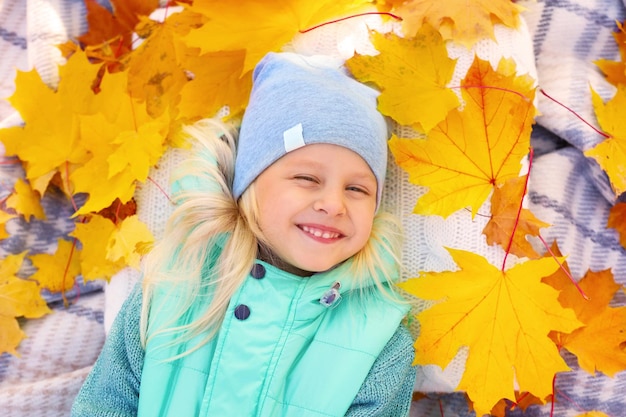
pixel 388 388
pixel 112 387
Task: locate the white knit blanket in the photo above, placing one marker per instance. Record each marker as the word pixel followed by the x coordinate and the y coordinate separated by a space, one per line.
pixel 564 38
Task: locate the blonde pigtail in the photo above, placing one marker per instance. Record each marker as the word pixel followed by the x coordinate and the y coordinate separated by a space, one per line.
pixel 206 228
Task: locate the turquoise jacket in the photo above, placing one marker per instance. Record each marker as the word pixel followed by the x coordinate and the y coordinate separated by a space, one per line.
pixel 113 387
pixel 279 352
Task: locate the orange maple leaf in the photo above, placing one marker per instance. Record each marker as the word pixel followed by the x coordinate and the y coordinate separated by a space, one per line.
pixel 508 216
pixel 412 75
pixel 599 344
pixel 464 21
pixel 522 401
pixel 57 272
pixel 18 298
pixel 110 33
pixel 610 154
pixel 503 317
pixel 105 25
pixel 474 149
pixel 615 71
pixel 617 221
pixel 265 26
pixel 119 211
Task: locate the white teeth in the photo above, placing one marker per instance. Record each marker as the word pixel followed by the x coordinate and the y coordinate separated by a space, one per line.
pixel 319 233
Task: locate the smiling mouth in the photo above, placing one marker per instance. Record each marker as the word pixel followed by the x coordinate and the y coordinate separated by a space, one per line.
pixel 324 234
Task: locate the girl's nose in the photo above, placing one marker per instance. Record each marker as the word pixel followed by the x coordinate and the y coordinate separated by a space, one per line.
pixel 330 202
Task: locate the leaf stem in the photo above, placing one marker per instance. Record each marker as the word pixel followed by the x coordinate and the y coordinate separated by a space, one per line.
pixel 519 209
pixel 518 400
pixel 67 268
pixel 490 87
pixel 160 189
pixel 67 184
pixel 598 131
pixel 118 50
pixel 9 161
pixel 350 17
pixel 117 211
pixel 580 290
pixel 568 398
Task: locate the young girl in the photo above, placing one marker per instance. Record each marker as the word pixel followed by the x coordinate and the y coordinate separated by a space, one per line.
pixel 270 294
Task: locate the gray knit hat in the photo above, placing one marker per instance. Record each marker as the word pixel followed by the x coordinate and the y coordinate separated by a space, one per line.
pixel 298 100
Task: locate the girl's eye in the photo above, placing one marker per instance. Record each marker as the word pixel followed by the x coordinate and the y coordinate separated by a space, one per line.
pixel 305 178
pixel 358 189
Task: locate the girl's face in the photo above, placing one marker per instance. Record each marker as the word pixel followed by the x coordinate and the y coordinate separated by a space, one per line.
pixel 316 207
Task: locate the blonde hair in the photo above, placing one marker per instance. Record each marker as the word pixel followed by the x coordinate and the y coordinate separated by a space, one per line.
pixel 211 240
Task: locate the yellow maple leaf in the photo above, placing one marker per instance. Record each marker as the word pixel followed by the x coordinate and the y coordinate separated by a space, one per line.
pixel 503 317
pixel 265 26
pixel 57 272
pixel 94 237
pixel 155 73
pixel 592 414
pixel 124 144
pixel 88 178
pixel 26 201
pixel 412 75
pixel 474 149
pixel 509 218
pixel 137 151
pixel 465 21
pixel 599 344
pixel 216 83
pixel 49 139
pixel 129 241
pixel 18 298
pixel 41 183
pixel 611 152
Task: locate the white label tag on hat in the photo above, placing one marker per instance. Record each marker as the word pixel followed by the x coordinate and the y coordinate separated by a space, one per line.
pixel 293 138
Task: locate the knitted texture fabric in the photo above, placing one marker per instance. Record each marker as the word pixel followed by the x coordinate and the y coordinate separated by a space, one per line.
pixel 123 354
